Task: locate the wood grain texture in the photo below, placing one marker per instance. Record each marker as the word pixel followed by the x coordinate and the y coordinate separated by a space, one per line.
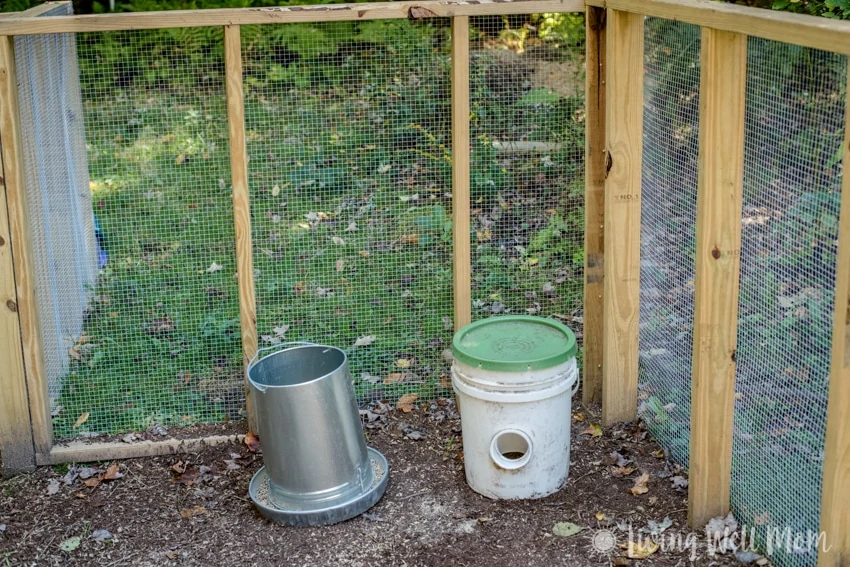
pixel 594 204
pixel 29 386
pixel 621 285
pixel 16 448
pixel 460 173
pixel 81 452
pixel 241 204
pixel 723 82
pixel 835 513
pixel 282 14
pixel 798 29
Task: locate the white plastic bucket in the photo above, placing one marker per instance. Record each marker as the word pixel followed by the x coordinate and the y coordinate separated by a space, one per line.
pixel 516 424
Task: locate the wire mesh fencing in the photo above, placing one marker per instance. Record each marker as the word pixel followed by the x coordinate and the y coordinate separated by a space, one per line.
pixel 348 129
pixel 792 175
pixel 792 188
pixel 352 200
pixel 349 144
pixel 160 343
pixel 668 230
pixel 527 173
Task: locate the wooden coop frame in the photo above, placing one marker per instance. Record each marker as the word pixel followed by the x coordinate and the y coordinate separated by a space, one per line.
pixel 614 115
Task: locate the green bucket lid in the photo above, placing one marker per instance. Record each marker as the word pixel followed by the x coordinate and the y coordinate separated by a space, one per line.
pixel 514 343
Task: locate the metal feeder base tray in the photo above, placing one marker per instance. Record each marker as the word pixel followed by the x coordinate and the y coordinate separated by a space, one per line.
pixel 337 512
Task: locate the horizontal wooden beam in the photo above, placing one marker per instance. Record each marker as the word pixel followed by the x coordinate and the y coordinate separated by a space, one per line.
pixel 798 29
pixel 82 452
pixel 281 15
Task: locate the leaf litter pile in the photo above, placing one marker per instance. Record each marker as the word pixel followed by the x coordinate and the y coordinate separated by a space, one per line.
pixel 193 509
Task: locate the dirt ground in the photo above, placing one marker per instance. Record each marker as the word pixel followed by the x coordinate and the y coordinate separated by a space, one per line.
pixel 194 509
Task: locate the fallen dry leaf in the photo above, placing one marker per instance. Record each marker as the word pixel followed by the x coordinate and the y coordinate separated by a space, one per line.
pixel 338 241
pixel 252 441
pixel 593 430
pixel 112 473
pixel 410 239
pixel 405 403
pixel 600 516
pixel 578 416
pixel 659 454
pixel 640 486
pixel 340 265
pixel 394 377
pixel 214 267
pixel 81 420
pixel 622 471
pixel 365 340
pixel 178 467
pixel 641 549
pixel 403 363
pixel 188 477
pixel 193 511
pixel 566 529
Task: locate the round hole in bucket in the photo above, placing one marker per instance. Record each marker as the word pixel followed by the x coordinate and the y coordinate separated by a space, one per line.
pixel 510 449
pixel 296 366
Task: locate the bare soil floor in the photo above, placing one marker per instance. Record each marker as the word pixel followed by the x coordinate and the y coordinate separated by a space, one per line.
pixel 194 509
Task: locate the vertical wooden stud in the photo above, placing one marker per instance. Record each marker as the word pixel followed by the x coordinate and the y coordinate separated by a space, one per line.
pixel 835 513
pixel 723 82
pixel 460 172
pixel 594 203
pixel 621 285
pixel 241 204
pixel 19 330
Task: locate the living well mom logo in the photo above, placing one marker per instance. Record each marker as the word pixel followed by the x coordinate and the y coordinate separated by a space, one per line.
pixel 721 536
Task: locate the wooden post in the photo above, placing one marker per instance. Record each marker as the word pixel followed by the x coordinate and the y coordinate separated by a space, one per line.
pixel 624 137
pixel 460 172
pixel 19 332
pixel 723 82
pixel 241 204
pixel 835 513
pixel 594 203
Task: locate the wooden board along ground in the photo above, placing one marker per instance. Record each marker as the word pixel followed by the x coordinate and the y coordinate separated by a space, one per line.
pixel 154 515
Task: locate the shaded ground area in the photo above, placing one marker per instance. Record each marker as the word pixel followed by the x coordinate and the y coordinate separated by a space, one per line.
pixel 193 509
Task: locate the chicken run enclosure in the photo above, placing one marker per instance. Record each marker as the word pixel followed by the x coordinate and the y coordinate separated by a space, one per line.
pixel 663 176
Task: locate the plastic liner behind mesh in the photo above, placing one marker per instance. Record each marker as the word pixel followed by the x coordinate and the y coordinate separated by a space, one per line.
pixel 668 224
pixel 792 178
pixel 58 197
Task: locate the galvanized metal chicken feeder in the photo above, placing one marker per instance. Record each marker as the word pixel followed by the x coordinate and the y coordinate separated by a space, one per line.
pixel 318 469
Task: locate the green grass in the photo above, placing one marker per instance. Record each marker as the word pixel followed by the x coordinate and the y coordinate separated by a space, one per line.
pixel 350 180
